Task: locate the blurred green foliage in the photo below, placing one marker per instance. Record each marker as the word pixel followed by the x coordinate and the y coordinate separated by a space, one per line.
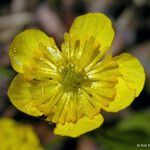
pixel 127 134
pixel 5 72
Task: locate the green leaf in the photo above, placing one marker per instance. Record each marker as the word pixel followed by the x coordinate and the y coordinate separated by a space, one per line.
pixel 126 134
pixel 136 121
pixel 5 72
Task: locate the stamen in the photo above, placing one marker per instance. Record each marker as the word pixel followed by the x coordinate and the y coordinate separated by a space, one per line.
pixel 71 80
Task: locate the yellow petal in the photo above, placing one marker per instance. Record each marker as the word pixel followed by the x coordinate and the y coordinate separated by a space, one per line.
pixel 124 97
pixel 89 38
pixel 82 126
pixel 88 108
pixel 131 71
pixel 27 95
pixel 49 107
pixel 33 52
pixel 60 109
pixel 95 25
pixel 130 83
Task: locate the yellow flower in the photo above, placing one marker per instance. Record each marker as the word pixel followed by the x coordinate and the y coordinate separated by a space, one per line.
pixel 17 136
pixel 71 86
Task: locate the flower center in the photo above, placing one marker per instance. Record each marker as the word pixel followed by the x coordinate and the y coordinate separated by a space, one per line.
pixel 70 79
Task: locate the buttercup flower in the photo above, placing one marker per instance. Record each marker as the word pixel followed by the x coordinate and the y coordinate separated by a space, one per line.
pixel 70 87
pixel 15 136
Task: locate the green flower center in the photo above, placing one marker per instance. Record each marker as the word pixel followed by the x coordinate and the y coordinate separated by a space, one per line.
pixel 70 79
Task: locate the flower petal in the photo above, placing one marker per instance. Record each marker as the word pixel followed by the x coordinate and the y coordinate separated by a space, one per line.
pixel 82 126
pixel 27 95
pixel 130 83
pixel 95 25
pixel 89 38
pixel 124 97
pixel 132 71
pixel 34 53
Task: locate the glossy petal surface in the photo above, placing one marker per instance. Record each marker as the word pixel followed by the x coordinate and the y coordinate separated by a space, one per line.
pixel 32 52
pixel 93 25
pixel 90 36
pixel 70 86
pixel 130 82
pixel 131 71
pixel 82 126
pixel 26 94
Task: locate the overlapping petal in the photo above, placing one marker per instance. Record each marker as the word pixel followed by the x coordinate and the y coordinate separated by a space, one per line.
pixel 66 107
pixel 124 97
pixel 95 25
pixel 131 71
pixel 32 52
pixel 83 125
pixel 103 77
pixel 27 95
pixel 116 81
pixel 90 35
pixel 130 82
